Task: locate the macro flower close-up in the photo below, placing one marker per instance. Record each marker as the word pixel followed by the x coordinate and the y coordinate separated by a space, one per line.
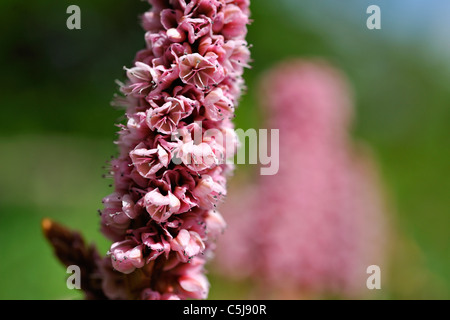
pixel 225 150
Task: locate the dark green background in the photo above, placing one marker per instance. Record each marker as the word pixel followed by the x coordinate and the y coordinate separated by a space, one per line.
pixel 57 129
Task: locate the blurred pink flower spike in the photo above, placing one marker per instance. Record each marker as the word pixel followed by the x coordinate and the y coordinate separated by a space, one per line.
pixel 314 227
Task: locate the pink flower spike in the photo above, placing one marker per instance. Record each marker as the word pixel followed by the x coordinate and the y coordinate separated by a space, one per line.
pixel 170 173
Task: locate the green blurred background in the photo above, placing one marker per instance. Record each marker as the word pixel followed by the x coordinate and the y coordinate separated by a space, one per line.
pixel 58 128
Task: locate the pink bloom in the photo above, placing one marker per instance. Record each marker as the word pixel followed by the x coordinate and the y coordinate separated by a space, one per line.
pixel 208 192
pixel 142 78
pixel 149 162
pixel 117 214
pixel 133 133
pixel 151 21
pixel 161 207
pixel 188 280
pixel 157 239
pixel 166 118
pixel 188 244
pixel 218 106
pixel 194 286
pixel 126 256
pixel 234 22
pixel 215 224
pixel 196 28
pixel 237 55
pixel 200 71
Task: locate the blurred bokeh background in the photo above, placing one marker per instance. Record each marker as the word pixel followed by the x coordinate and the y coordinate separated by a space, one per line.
pixel 58 127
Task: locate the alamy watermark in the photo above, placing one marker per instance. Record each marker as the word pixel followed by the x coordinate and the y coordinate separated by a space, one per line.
pixel 374 280
pixel 374 20
pixel 200 148
pixel 74 280
pixel 74 20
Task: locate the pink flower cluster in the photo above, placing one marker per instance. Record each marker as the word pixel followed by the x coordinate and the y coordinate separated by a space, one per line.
pixel 321 223
pixel 161 215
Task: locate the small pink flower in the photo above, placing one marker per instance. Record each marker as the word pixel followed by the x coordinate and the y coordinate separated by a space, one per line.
pixel 157 239
pixel 170 18
pixel 196 28
pixel 188 244
pixel 157 44
pixel 218 106
pixel 186 280
pixel 208 193
pixel 237 55
pixel 181 183
pixel 192 282
pixel 203 8
pixel 194 286
pixel 142 78
pixel 234 22
pixel 203 148
pixel 126 256
pixel 215 224
pixel 161 207
pixel 133 133
pixel 151 21
pixel 117 214
pixel 149 162
pixel 200 71
pixel 165 119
